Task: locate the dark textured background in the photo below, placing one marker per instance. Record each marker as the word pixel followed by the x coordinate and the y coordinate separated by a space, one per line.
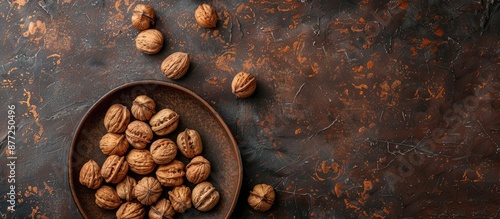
pixel 364 109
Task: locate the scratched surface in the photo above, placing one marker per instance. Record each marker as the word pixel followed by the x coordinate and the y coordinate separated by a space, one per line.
pixel 364 108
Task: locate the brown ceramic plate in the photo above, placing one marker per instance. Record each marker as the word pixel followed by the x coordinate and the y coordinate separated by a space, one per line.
pixel 219 146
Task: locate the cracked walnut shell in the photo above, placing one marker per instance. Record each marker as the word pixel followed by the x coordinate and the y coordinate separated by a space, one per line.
pixel 114 169
pixel 163 151
pixel 143 17
pixel 139 134
pixel 125 188
pixel 149 41
pixel 143 108
pixel 171 174
pixel 117 118
pixel 180 197
pixel 197 170
pixel 131 210
pixel 162 209
pixel 113 144
pixel 164 122
pixel 204 196
pixel 90 175
pixel 206 16
pixel 243 85
pixel 175 65
pixel 261 197
pixel 140 161
pixel 107 198
pixel 189 143
pixel 148 190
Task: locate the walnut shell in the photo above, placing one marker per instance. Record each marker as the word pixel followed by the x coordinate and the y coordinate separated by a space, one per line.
pixel 149 41
pixel 163 150
pixel 143 17
pixel 140 161
pixel 198 170
pixel 171 174
pixel 204 196
pixel 261 197
pixel 180 197
pixel 117 118
pixel 175 65
pixel 114 169
pixel 90 175
pixel 143 108
pixel 243 85
pixel 162 209
pixel 189 143
pixel 131 210
pixel 206 16
pixel 148 190
pixel 164 122
pixel 113 144
pixel 125 188
pixel 139 134
pixel 107 198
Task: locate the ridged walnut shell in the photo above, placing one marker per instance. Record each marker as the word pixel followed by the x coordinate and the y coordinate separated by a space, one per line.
pixel 107 198
pixel 243 85
pixel 149 41
pixel 171 174
pixel 125 188
pixel 163 150
pixel 164 122
pixel 206 16
pixel 148 190
pixel 204 196
pixel 198 170
pixel 180 197
pixel 261 197
pixel 131 210
pixel 139 134
pixel 189 143
pixel 143 108
pixel 175 65
pixel 143 17
pixel 140 161
pixel 162 209
pixel 90 175
pixel 117 118
pixel 113 144
pixel 114 169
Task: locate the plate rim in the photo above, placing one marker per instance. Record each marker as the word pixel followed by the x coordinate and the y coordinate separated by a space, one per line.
pixel 77 132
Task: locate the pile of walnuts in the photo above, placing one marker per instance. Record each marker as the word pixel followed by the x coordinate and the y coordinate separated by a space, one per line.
pixel 130 148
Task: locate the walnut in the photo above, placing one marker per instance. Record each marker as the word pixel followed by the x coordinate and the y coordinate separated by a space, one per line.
pixel 90 175
pixel 204 196
pixel 143 17
pixel 162 209
pixel 261 197
pixel 175 65
pixel 140 161
pixel 143 108
pixel 125 188
pixel 139 134
pixel 106 197
pixel 113 144
pixel 164 122
pixel 114 169
pixel 243 85
pixel 117 118
pixel 171 174
pixel 131 210
pixel 163 150
pixel 148 190
pixel 189 143
pixel 206 16
pixel 197 170
pixel 149 41
pixel 180 197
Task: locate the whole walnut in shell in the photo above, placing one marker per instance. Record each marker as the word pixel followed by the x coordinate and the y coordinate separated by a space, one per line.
pixel 131 210
pixel 107 198
pixel 189 143
pixel 163 150
pixel 162 209
pixel 204 196
pixel 114 169
pixel 90 175
pixel 143 16
pixel 148 190
pixel 140 161
pixel 180 197
pixel 125 188
pixel 171 174
pixel 198 170
pixel 113 144
pixel 139 134
pixel 261 197
pixel 149 41
pixel 175 65
pixel 117 118
pixel 243 85
pixel 164 122
pixel 206 16
pixel 143 108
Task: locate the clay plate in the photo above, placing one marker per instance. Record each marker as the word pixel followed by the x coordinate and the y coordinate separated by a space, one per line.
pixel 220 148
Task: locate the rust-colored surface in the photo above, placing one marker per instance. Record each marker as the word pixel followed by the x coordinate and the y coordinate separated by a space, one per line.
pixel 364 109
